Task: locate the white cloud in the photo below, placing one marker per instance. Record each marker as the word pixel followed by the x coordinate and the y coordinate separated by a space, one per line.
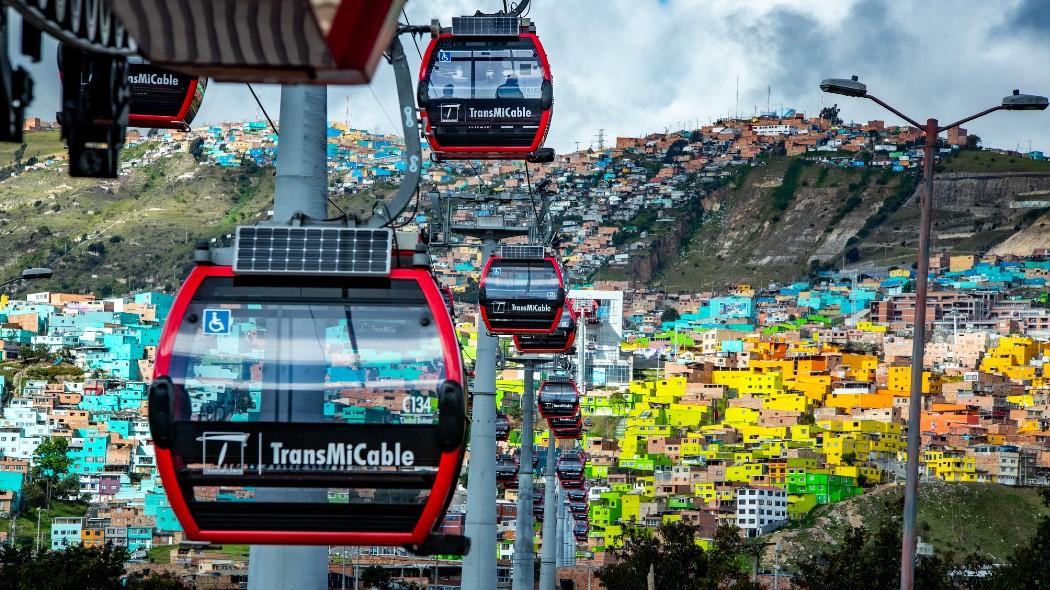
pixel 636 66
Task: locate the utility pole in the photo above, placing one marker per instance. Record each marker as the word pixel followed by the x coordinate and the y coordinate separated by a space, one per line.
pixel 1015 102
pixel 479 566
pixel 524 534
pixel 301 187
pixel 601 140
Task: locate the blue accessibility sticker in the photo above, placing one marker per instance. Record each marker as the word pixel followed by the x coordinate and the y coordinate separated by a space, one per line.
pixel 217 321
pixel 444 55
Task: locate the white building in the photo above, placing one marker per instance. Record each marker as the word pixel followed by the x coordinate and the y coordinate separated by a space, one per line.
pixel 775 129
pixel 760 509
pixel 65 532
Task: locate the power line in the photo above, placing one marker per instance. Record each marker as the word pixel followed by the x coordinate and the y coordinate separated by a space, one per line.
pixel 414 42
pixel 265 114
pixel 278 135
pixel 387 115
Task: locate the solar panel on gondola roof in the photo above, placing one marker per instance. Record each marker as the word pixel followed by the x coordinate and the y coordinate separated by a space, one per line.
pixel 513 252
pixel 315 251
pixel 485 26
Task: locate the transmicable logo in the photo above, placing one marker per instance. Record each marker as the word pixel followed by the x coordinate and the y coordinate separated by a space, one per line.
pixel 223 452
pixel 500 113
pixel 341 454
pixel 154 79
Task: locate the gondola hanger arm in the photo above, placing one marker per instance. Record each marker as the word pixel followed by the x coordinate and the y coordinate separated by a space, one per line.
pixel 386 214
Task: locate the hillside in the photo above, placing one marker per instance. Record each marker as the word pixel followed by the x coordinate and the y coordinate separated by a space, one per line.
pixel 785 216
pixel 962 518
pixel 134 232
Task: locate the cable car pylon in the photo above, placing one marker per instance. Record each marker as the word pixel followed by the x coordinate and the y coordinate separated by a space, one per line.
pixel 301 187
pixel 524 537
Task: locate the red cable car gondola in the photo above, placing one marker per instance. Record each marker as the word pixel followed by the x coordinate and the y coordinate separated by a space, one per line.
pixel 485 90
pixel 160 98
pixel 580 529
pixel 285 42
pixel 507 470
pixel 295 408
pixel 558 397
pixel 570 469
pixel 521 292
pixel 559 341
pixel 566 428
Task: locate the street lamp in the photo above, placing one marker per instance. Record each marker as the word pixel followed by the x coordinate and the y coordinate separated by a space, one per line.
pixel 1014 102
pixel 29 274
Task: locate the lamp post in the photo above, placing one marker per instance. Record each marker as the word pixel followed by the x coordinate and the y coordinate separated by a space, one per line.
pixel 29 274
pixel 1014 102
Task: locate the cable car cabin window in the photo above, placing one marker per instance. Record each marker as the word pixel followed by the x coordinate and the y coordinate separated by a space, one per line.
pixel 559 392
pixel 316 363
pixel 521 280
pixel 512 71
pixel 485 96
pixel 360 368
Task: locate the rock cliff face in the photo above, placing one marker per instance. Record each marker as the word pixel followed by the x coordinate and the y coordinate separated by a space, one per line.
pixel 662 250
pixel 835 217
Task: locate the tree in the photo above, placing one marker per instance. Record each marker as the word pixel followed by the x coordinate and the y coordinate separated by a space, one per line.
pixel 669 314
pixel 196 149
pixel 973 142
pixel 831 114
pixel 870 561
pixel 75 568
pixel 145 580
pixel 51 462
pixel 377 578
pixel 676 560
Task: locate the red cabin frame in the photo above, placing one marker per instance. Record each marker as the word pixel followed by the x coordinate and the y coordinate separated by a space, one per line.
pixel 486 152
pixel 448 466
pixel 504 331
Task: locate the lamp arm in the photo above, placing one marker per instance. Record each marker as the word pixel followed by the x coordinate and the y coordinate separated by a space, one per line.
pixel 883 104
pixel 971 117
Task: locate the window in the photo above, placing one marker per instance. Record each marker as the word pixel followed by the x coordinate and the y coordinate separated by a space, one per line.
pixel 347 359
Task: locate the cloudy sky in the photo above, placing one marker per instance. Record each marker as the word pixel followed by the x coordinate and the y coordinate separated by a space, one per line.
pixel 636 66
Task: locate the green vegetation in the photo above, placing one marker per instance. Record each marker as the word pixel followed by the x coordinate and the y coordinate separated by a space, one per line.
pixel 39 145
pixel 854 199
pixel 136 151
pixel 982 161
pixel 642 221
pixel 905 188
pixel 162 553
pixel 677 562
pixel 785 193
pixel 867 560
pixel 159 210
pixel 26 532
pixel 961 518
pixel 741 177
pixel 77 567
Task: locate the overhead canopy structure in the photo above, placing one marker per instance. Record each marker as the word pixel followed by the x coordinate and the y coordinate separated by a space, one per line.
pixel 275 41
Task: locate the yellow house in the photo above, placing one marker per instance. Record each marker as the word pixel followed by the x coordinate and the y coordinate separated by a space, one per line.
pixel 899 379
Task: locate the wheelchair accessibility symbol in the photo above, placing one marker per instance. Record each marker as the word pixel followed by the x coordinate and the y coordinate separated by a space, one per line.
pixel 217 321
